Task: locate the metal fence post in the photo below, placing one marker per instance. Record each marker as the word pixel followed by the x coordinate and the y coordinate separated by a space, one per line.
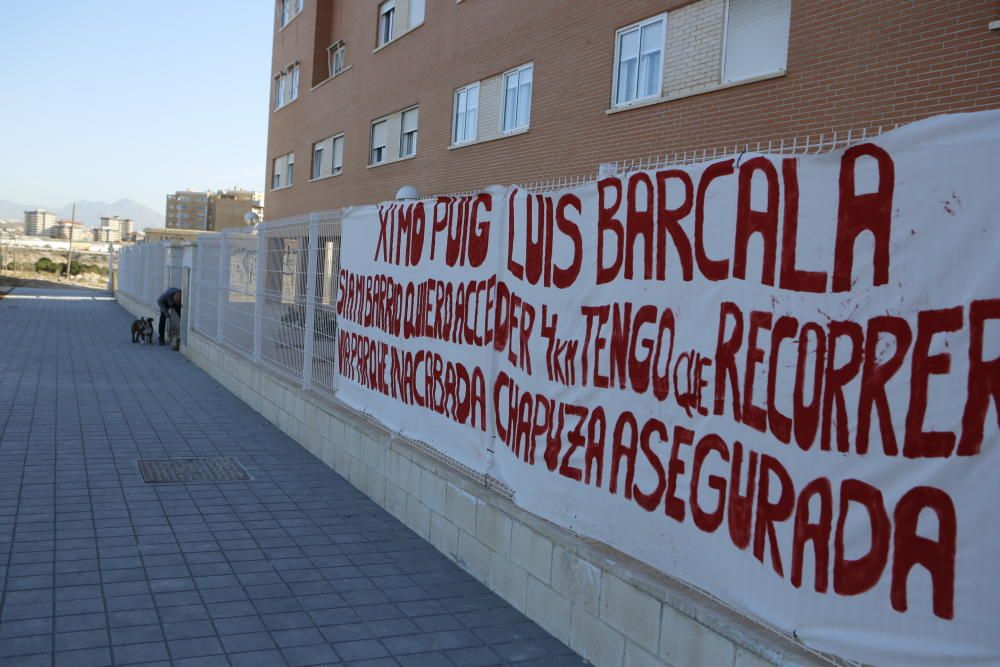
pixel 258 302
pixel 223 280
pixel 165 276
pixel 307 351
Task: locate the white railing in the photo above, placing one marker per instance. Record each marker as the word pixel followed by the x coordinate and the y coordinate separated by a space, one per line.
pixel 269 293
pixel 146 270
pixel 809 144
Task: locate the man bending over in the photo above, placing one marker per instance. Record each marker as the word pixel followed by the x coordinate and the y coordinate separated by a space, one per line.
pixel 169 300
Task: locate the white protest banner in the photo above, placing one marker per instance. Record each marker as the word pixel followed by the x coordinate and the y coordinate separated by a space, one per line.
pixel 775 378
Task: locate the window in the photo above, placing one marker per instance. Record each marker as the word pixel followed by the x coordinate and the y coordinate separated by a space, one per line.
pixel 756 38
pixel 282 171
pixel 328 157
pixel 279 91
pixel 337 53
pixel 338 155
pixel 639 61
pixel 317 170
pixel 286 86
pixel 408 135
pixel 386 21
pixel 466 114
pixel 289 10
pixel 517 98
pixel 379 130
pixel 416 13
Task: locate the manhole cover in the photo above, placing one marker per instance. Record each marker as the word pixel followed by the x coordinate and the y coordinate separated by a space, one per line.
pixel 175 471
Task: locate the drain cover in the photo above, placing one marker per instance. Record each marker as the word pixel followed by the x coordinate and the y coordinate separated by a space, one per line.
pixel 178 471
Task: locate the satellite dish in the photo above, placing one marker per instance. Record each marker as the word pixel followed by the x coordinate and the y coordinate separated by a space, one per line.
pixel 251 218
pixel 407 192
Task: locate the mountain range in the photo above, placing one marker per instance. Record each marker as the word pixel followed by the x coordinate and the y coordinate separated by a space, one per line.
pixel 90 212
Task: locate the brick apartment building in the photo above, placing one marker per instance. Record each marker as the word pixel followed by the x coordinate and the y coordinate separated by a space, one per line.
pixel 449 95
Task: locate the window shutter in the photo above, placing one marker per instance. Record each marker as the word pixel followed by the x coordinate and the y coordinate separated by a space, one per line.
pixel 410 121
pixel 338 154
pixel 756 38
pixel 378 134
pixel 416 12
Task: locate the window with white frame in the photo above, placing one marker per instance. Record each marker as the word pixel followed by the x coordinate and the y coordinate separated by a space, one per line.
pixel 280 84
pixel 408 132
pixel 386 21
pixel 317 168
pixel 416 14
pixel 328 157
pixel 466 114
pixel 337 56
pixel 337 161
pixel 289 10
pixel 517 98
pixel 379 142
pixel 756 41
pixel 282 171
pixel 639 60
pixel 286 86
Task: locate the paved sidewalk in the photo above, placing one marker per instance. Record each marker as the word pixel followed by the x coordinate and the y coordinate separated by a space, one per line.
pixel 296 567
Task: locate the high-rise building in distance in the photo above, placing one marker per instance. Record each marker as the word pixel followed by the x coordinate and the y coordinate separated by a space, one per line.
pixel 38 222
pixel 212 211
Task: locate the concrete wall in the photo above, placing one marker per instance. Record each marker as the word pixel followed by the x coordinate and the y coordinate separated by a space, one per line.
pixel 606 606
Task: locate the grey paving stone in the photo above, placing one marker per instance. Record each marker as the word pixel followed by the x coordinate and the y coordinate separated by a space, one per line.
pixel 91 657
pixel 188 630
pixel 186 613
pixel 306 656
pixel 121 619
pixel 375 662
pixel 430 641
pixel 279 571
pixel 361 649
pixel 392 627
pixel 138 634
pixel 435 659
pixel 271 658
pixel 26 628
pixel 18 646
pixel 14 612
pixel 229 609
pixel 140 653
pixel 251 641
pixel 189 648
pixel 239 625
pixel 202 661
pixel 81 639
pixel 477 656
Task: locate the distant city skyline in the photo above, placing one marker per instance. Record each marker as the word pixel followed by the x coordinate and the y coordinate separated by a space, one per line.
pixel 117 101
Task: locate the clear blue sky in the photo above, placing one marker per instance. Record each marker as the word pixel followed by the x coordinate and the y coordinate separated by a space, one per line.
pixel 104 100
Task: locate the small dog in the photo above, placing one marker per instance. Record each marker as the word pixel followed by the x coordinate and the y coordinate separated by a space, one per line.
pixel 142 331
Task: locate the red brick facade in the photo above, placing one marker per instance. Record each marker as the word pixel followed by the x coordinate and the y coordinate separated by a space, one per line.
pixel 850 65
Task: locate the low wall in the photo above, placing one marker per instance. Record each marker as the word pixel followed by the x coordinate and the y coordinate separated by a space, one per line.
pixel 604 605
pixel 135 307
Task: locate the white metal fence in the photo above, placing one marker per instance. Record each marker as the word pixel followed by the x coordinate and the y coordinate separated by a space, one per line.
pixel 145 271
pixel 270 294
